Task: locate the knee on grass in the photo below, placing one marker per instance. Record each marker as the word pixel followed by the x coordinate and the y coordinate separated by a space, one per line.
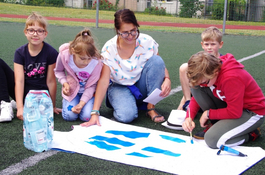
pixel 69 116
pixel 125 115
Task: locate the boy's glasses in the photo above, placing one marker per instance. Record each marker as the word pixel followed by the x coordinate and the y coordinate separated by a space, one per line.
pixel 32 31
pixel 126 34
pixel 205 84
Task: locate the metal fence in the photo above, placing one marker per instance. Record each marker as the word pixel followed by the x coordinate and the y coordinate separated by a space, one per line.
pixel 208 9
pixel 251 11
pixel 235 12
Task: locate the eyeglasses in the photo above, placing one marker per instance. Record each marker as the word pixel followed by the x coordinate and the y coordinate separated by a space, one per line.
pixel 205 84
pixel 126 34
pixel 38 32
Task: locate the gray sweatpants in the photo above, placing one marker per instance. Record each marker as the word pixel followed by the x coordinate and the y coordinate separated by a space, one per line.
pixel 229 132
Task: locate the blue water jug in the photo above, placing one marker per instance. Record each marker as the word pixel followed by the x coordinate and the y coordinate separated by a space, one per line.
pixel 38 124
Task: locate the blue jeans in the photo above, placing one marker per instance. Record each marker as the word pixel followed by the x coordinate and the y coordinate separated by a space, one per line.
pixel 84 115
pixel 124 102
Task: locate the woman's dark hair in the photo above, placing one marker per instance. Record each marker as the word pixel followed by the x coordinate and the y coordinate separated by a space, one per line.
pixel 124 16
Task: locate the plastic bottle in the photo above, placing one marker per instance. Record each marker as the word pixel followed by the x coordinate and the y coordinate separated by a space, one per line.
pixel 38 121
pixel 46 110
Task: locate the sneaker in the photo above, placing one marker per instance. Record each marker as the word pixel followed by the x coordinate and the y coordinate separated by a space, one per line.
pixel 14 104
pixel 200 135
pixel 6 112
pixel 254 134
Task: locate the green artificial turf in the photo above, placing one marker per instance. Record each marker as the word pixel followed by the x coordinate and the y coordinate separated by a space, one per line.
pixel 174 48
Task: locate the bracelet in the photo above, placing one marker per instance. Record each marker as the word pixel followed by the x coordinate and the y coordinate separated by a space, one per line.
pixel 167 77
pixel 94 112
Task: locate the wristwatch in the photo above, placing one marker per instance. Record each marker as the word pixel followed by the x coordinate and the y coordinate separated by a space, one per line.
pixel 94 112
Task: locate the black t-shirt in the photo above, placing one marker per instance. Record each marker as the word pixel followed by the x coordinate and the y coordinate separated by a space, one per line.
pixel 35 68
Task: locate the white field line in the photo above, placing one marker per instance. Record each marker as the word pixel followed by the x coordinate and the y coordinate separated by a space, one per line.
pixel 31 161
pixel 24 164
pixel 175 90
pixel 251 56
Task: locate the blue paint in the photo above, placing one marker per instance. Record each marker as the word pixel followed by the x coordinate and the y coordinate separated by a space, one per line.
pixel 58 149
pixel 103 145
pixel 70 107
pixel 160 151
pixel 137 154
pixel 129 134
pixel 230 150
pixel 191 141
pixel 174 139
pixel 113 141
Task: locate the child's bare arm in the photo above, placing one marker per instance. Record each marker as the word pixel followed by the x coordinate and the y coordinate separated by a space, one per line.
pixel 51 83
pixel 19 88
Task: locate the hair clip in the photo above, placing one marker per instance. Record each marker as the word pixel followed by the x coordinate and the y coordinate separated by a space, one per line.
pixel 85 33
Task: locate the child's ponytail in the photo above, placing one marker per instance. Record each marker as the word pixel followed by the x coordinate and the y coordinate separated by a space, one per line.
pixel 84 44
pixel 86 32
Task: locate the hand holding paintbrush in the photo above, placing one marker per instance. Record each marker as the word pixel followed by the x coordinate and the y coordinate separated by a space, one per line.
pixel 188 125
pixel 191 139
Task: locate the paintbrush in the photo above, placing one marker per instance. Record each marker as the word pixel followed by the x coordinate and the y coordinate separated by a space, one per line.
pixel 191 139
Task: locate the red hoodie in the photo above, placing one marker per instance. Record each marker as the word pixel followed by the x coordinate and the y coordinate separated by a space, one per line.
pixel 237 88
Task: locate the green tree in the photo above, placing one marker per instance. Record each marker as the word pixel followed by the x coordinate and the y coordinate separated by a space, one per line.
pixel 235 9
pixel 189 8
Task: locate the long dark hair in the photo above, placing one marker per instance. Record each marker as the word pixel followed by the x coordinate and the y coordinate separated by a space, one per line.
pixel 124 16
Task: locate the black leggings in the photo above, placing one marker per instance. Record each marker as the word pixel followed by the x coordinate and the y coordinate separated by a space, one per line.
pixel 7 82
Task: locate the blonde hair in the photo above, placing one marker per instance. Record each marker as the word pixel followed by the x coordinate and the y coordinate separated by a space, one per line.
pixel 212 33
pixel 36 18
pixel 84 43
pixel 202 65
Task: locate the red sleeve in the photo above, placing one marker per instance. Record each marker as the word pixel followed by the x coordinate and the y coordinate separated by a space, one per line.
pixel 193 107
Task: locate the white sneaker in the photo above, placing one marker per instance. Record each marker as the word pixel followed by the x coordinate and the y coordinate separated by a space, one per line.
pixel 14 104
pixel 6 112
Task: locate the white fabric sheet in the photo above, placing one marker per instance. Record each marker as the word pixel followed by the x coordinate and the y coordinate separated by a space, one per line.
pixel 167 152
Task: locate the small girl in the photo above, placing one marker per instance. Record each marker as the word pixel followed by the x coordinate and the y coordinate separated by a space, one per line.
pixel 34 63
pixel 82 62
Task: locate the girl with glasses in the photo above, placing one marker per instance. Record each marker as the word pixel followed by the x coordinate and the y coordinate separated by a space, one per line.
pixel 132 70
pixel 34 63
pixel 78 69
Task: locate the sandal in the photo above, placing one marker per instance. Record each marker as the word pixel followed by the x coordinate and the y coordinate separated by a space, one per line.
pixel 148 115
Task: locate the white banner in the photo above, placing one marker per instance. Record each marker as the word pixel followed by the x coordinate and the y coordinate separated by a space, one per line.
pixel 148 148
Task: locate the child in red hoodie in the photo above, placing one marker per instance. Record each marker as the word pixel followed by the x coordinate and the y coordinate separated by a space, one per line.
pixel 230 98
